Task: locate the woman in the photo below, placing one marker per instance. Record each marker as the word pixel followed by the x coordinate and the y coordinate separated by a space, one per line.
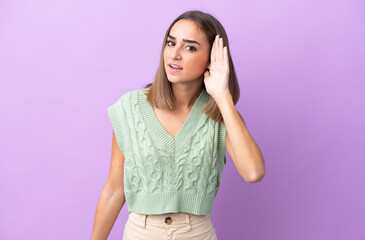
pixel 169 139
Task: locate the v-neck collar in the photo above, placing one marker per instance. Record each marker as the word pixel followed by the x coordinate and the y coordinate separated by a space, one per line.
pixel 159 134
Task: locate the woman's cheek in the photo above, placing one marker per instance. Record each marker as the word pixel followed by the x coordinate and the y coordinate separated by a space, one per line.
pixel 201 67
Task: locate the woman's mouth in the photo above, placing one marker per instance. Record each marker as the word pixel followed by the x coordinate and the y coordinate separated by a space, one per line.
pixel 175 68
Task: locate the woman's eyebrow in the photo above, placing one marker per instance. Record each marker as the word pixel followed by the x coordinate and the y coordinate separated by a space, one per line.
pixel 185 40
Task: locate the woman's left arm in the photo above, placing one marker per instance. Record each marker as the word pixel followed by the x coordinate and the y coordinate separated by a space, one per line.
pixel 240 145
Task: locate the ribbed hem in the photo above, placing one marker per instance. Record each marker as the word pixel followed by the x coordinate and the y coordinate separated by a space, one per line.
pixel 221 154
pixel 114 113
pixel 162 138
pixel 160 203
pixel 192 121
pixel 222 146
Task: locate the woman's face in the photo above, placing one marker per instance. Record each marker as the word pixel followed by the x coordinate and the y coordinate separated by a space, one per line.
pixel 188 48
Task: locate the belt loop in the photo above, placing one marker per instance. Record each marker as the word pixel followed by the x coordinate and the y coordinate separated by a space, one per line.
pixel 145 220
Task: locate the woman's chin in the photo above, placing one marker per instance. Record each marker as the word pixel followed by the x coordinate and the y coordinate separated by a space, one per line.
pixel 174 79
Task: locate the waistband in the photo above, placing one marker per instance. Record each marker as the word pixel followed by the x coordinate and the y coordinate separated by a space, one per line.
pixel 167 220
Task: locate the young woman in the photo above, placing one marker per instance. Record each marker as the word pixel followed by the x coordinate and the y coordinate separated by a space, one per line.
pixel 169 139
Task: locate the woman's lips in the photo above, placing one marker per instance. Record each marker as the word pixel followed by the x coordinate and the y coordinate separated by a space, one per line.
pixel 174 69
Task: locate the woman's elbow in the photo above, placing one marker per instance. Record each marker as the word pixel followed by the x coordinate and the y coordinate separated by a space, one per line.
pixel 114 194
pixel 256 177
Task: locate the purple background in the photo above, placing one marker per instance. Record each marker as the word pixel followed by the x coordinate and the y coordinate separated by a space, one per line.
pixel 300 66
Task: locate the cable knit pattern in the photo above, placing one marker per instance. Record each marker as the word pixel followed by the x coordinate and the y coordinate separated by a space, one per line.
pixel 164 174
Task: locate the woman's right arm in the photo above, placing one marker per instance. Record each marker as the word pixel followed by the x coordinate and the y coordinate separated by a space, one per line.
pixel 112 197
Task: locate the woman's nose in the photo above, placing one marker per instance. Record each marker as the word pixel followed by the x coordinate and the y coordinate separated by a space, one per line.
pixel 175 53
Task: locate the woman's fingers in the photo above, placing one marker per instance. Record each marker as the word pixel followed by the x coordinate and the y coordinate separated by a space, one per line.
pixel 220 50
pixel 216 48
pixel 226 59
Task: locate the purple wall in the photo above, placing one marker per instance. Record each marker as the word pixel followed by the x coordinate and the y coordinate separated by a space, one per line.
pixel 300 65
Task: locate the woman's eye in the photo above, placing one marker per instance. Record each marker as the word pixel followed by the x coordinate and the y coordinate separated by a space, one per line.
pixel 193 49
pixel 190 48
pixel 168 42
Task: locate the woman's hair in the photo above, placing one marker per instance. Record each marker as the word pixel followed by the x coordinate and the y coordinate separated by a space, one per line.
pixel 160 93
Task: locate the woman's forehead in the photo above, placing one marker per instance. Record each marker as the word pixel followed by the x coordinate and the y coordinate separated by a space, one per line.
pixel 187 29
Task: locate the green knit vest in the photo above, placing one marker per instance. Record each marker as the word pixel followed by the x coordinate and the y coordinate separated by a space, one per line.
pixel 163 174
